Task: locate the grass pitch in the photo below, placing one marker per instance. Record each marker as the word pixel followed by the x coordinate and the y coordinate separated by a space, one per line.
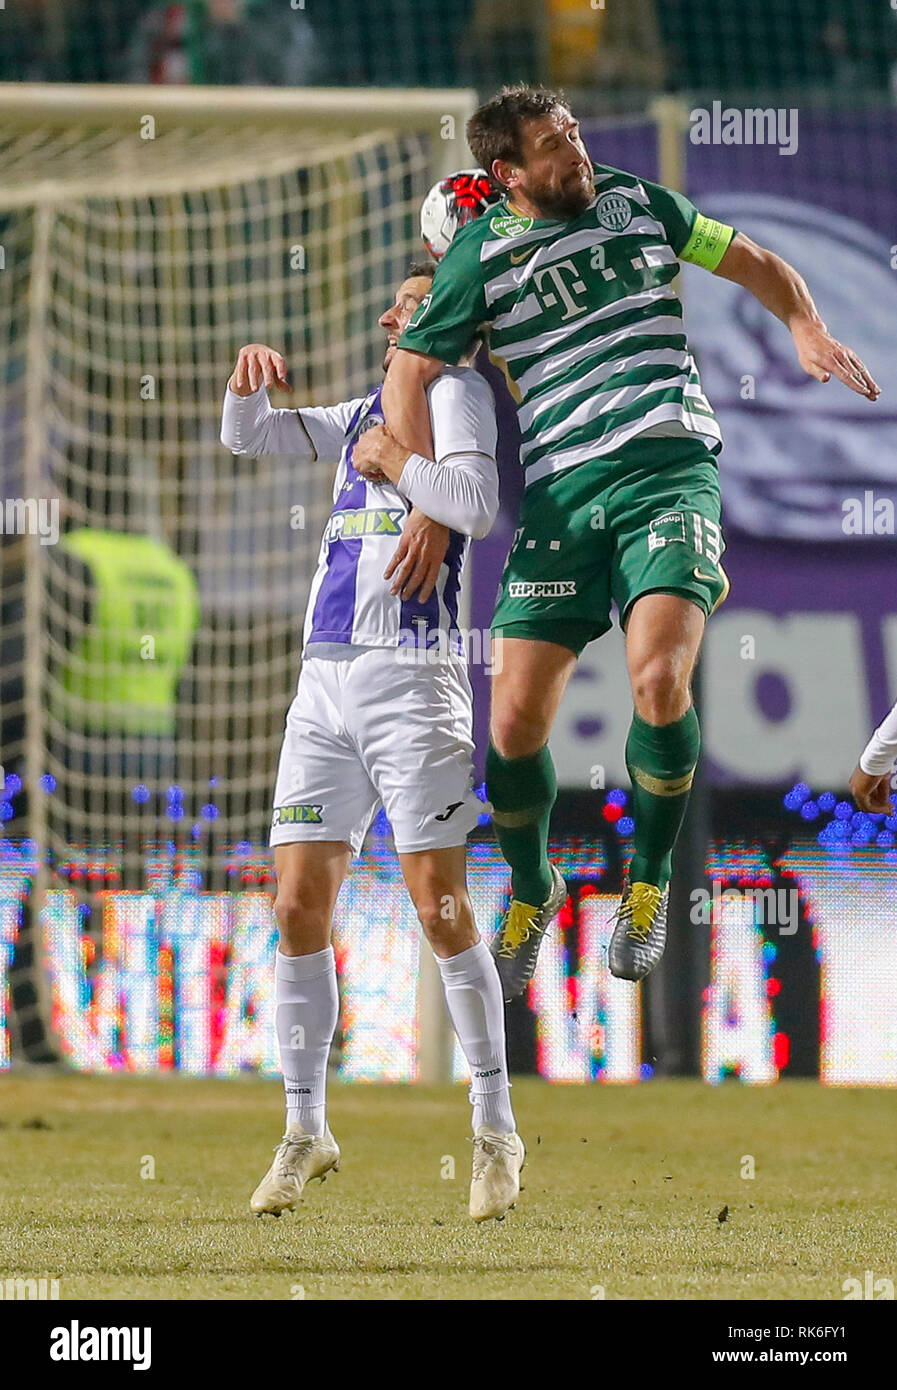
pixel 626 1192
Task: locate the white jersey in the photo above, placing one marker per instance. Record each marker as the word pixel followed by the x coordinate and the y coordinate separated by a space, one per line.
pixel 350 603
pixel 341 756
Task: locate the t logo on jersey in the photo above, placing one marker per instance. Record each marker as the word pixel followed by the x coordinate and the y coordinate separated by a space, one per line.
pixel 552 275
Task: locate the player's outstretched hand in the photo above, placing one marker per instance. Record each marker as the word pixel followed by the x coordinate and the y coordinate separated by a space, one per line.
pixel 823 357
pixel 414 568
pixel 256 364
pixel 870 792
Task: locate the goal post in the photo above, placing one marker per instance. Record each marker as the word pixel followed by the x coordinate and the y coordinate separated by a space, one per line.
pixel 73 112
pixel 147 232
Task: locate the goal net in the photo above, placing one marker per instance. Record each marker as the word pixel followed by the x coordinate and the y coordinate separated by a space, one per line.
pixel 146 234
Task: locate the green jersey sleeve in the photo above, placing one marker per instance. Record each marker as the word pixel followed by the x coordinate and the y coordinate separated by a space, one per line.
pixel 695 238
pixel 447 319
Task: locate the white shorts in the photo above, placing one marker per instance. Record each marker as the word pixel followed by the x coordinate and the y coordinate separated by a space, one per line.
pixel 372 731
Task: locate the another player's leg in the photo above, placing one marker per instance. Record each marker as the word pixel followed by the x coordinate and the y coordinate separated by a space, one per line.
pixel 663 635
pixel 437 883
pixel 528 683
pixel 323 804
pixel 666 580
pixel 306 1001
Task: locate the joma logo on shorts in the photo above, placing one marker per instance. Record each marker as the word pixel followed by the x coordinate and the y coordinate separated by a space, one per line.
pixel 364 521
pixel 553 588
pixel 297 815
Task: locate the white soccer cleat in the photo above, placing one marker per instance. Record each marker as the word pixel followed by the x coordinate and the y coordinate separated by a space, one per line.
pixel 495 1185
pixel 298 1158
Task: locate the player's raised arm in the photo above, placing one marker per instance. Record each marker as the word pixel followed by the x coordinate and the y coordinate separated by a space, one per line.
pixel 251 426
pixel 258 365
pixel 784 292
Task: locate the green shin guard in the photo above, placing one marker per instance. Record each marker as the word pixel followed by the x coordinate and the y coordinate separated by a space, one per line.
pixel 661 760
pixel 522 792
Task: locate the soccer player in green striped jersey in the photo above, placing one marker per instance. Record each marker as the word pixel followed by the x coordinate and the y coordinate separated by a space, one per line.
pixel 571 278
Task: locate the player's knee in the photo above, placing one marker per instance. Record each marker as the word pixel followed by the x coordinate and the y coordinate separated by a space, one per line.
pixel 660 690
pixel 436 912
pixel 301 921
pixel 446 919
pixel 517 732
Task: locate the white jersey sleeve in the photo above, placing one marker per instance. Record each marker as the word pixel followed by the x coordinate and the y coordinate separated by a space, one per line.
pixel 462 412
pixel 459 488
pixel 880 753
pixel 326 427
pixel 250 425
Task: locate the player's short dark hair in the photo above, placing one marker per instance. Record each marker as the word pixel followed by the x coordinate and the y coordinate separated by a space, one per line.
pixel 495 130
pixel 427 268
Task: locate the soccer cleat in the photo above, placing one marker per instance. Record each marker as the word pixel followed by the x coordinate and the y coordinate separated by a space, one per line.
pixel 298 1158
pixel 495 1184
pixel 641 932
pixel 517 941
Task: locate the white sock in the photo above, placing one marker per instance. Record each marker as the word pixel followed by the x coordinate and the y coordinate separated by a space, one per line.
pixel 306 1008
pixel 474 998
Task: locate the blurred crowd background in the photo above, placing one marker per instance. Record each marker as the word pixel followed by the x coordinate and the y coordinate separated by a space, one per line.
pixel 617 49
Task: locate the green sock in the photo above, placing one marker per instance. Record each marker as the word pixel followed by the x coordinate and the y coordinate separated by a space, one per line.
pixel 661 760
pixel 522 792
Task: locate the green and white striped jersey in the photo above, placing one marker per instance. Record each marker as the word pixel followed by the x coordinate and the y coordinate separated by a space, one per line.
pixel 582 316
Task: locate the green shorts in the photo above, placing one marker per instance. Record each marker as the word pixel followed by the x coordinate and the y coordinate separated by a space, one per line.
pixel 643 521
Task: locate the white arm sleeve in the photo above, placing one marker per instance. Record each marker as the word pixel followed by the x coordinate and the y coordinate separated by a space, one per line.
pixel 880 753
pixel 459 488
pixel 250 425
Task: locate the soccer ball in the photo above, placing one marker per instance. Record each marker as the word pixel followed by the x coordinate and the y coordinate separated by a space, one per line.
pixel 452 203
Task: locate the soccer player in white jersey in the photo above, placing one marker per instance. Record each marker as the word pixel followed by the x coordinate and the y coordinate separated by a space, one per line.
pixel 870 781
pixel 376 720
